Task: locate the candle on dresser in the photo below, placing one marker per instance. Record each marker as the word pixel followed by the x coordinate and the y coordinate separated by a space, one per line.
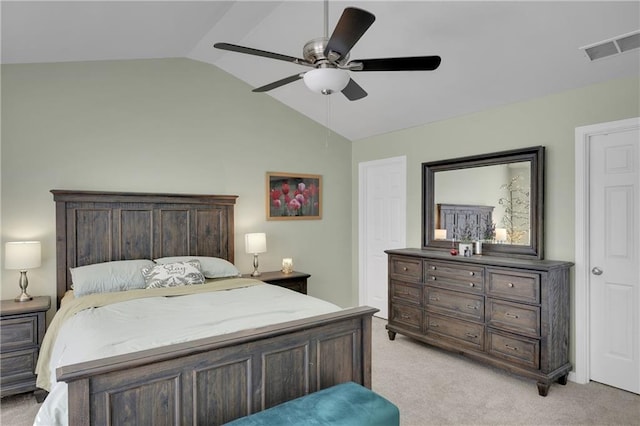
pixel 287 265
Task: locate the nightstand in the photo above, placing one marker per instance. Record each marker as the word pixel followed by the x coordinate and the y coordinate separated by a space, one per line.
pixel 296 281
pixel 22 326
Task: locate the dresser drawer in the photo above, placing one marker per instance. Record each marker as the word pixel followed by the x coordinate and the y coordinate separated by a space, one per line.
pixel 405 292
pixel 407 316
pixel 18 332
pixel 514 317
pixel 406 268
pixel 514 285
pixel 468 306
pixel 462 332
pixel 17 366
pixel 519 350
pixel 455 276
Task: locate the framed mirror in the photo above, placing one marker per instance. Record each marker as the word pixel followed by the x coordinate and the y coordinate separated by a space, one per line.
pixel 496 198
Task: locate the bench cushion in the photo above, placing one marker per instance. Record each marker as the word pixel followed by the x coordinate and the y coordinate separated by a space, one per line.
pixel 346 404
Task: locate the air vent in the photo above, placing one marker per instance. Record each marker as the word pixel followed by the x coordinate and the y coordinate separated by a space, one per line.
pixel 613 46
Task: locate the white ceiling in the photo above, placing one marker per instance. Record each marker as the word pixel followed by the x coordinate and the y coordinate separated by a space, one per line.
pixel 493 53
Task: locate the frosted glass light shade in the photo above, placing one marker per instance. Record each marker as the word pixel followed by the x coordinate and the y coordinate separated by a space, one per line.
pixel 22 255
pixel 326 80
pixel 441 234
pixel 255 243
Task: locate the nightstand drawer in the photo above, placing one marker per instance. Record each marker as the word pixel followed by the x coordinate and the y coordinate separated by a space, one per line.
pixel 18 365
pixel 299 285
pixel 17 333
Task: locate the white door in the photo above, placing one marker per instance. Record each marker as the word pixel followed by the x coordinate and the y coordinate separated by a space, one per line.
pixel 382 219
pixel 614 258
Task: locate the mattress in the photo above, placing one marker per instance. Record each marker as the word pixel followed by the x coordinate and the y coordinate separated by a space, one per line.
pixel 151 319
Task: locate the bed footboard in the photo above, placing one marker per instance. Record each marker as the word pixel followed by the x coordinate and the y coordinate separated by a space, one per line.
pixel 215 380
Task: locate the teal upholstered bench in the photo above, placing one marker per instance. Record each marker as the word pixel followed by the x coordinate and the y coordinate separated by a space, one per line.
pixel 347 404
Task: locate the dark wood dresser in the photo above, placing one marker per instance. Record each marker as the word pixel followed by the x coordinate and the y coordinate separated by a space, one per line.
pixel 510 313
pixel 22 327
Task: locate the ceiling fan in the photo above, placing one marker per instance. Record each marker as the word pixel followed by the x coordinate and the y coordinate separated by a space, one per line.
pixel 329 58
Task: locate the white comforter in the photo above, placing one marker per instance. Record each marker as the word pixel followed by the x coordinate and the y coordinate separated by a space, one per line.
pixel 140 324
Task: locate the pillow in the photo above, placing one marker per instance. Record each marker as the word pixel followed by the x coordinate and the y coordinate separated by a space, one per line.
pixel 211 267
pixel 119 275
pixel 173 274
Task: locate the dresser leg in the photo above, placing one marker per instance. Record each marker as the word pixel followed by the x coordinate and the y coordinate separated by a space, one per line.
pixel 563 379
pixel 543 388
pixel 392 335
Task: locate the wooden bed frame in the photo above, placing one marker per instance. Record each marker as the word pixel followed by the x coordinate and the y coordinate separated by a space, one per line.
pixel 206 381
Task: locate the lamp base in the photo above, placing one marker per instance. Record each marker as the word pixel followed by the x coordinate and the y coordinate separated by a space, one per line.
pixel 24 282
pixel 24 297
pixel 256 273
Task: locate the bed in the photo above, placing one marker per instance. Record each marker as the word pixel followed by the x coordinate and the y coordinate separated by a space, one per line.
pixel 204 380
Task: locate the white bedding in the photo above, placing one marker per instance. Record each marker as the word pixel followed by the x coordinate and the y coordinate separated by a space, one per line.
pixel 145 323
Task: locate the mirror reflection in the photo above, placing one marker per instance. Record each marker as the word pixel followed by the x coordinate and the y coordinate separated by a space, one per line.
pixel 489 203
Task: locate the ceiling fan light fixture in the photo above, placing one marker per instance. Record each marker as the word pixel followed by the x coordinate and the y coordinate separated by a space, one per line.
pixel 326 80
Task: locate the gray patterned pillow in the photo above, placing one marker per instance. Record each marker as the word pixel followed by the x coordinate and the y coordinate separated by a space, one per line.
pixel 173 274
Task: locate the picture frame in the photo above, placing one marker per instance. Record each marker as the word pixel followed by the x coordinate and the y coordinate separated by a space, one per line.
pixel 293 196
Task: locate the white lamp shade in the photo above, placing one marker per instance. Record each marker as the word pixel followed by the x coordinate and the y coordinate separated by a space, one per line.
pixel 326 80
pixel 22 255
pixel 501 234
pixel 255 243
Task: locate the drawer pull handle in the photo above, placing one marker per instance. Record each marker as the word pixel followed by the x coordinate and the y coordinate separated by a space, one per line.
pixel 510 285
pixel 513 348
pixel 434 298
pixel 471 336
pixel 404 268
pixel 472 285
pixel 472 307
pixel 433 278
pixel 433 268
pixel 405 316
pixel 472 273
pixel 434 325
pixel 510 315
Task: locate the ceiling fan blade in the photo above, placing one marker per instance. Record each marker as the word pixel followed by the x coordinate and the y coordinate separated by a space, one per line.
pixel 414 63
pixel 278 83
pixel 352 25
pixel 353 91
pixel 258 52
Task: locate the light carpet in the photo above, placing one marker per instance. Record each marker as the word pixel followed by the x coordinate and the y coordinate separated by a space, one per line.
pixel 434 387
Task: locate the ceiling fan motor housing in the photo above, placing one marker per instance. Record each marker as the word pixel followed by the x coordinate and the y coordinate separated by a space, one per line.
pixel 313 52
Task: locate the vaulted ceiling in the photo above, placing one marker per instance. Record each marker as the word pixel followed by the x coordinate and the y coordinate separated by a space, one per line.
pixel 493 53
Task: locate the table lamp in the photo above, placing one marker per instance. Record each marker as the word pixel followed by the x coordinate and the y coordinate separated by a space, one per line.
pixel 253 244
pixel 22 255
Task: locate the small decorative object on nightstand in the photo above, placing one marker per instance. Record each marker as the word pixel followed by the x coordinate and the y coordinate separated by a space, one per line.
pixel 296 281
pixel 287 265
pixel 22 327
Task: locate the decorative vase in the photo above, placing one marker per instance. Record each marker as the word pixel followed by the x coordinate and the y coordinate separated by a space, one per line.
pixel 479 247
pixel 465 249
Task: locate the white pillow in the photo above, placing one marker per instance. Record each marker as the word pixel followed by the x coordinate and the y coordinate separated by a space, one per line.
pixel 211 267
pixel 173 274
pixel 119 275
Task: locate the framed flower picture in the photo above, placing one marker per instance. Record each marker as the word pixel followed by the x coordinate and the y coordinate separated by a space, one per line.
pixel 294 196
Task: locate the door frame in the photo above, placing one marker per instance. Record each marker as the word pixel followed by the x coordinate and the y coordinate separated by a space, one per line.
pixel 581 370
pixel 362 214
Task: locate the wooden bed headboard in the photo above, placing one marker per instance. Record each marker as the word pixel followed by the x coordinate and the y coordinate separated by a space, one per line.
pixel 95 227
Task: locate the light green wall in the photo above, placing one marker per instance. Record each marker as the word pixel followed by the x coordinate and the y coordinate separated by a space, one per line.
pixel 548 121
pixel 172 125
